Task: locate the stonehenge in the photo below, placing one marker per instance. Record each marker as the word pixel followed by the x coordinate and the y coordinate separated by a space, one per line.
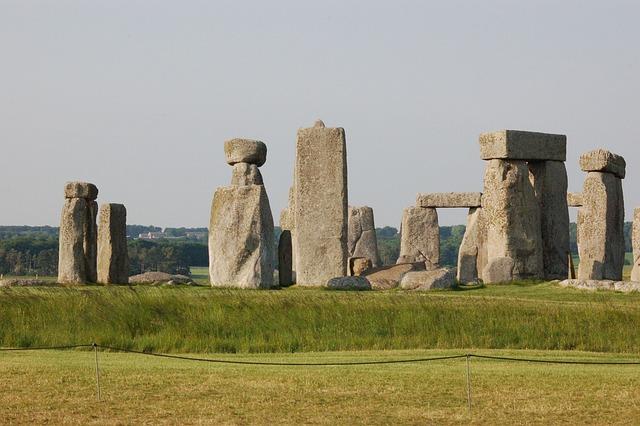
pixel 362 241
pixel 241 234
pixel 113 259
pixel 77 257
pixel 420 237
pixel 635 241
pixel 320 214
pixel 601 217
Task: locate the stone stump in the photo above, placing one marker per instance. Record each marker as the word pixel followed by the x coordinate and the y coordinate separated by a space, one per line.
pixel 78 234
pixel 601 218
pixel 362 240
pixel 320 215
pixel 241 238
pixel 113 257
pixel 420 237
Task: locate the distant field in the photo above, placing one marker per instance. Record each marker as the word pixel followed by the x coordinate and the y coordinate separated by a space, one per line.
pixel 59 387
pixel 202 319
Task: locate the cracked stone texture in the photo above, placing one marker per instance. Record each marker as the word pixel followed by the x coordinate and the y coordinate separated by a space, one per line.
pixel 420 237
pixel 362 240
pixel 601 228
pixel 522 145
pixel 113 257
pixel 601 160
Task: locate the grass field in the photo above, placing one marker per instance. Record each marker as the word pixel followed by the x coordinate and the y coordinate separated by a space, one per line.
pixel 59 387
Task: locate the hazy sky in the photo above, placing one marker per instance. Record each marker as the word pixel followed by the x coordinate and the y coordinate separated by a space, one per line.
pixel 139 96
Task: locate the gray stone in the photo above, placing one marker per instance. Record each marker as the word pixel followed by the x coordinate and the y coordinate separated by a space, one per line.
pixel 450 200
pixel 574 199
pixel 320 182
pixel 512 220
pixel 157 278
pixel 91 242
pixel 362 240
pixel 245 151
pixel 635 240
pixel 437 279
pixel 601 160
pixel 113 257
pixel 72 262
pixel 359 266
pixel 470 248
pixel 389 277
pixel 246 174
pixel 609 285
pixel 550 185
pixel 499 270
pixel 348 283
pixel 420 237
pixel 241 240
pixel 285 258
pixel 80 190
pixel 24 282
pixel 601 228
pixel 522 145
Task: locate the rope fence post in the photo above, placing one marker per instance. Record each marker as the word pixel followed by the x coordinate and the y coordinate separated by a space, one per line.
pixel 469 382
pixel 95 349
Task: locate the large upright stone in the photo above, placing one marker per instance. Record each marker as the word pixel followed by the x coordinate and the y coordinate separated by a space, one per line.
pixel 91 242
pixel 420 237
pixel 285 257
pixel 521 145
pixel 241 240
pixel 362 240
pixel 246 174
pixel 601 228
pixel 550 183
pixel 113 257
pixel 320 205
pixel 471 249
pixel 72 265
pixel 512 219
pixel 635 239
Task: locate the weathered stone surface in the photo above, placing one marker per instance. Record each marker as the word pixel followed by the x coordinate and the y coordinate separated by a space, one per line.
pixel 113 257
pixel 245 151
pixel 91 242
pixel 246 174
pixel 601 228
pixel 470 248
pixel 25 282
pixel 420 237
pixel 389 277
pixel 80 190
pixel 320 239
pixel 285 258
pixel 349 283
pixel 601 160
pixel 359 266
pixel 362 240
pixel 72 265
pixel 437 279
pixel 550 184
pixel 594 285
pixel 499 270
pixel 635 240
pixel 241 240
pixel 512 220
pixel 574 199
pixel 522 145
pixel 157 278
pixel 450 200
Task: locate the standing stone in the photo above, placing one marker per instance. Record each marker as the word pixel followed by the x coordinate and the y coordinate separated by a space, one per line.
pixel 635 238
pixel 550 183
pixel 78 234
pixel 420 237
pixel 246 174
pixel 470 248
pixel 113 257
pixel 512 217
pixel 601 228
pixel 241 240
pixel 285 256
pixel 362 240
pixel 574 199
pixel 320 213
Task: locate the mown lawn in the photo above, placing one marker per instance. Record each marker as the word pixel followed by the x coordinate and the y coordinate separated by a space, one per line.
pixel 202 319
pixel 59 387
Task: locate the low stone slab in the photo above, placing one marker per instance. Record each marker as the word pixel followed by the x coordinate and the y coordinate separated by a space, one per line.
pixel 601 160
pixel 389 277
pixel 574 199
pixel 522 145
pixel 437 279
pixel 245 151
pixel 25 282
pixel 594 285
pixel 80 190
pixel 450 200
pixel 349 283
pixel 160 278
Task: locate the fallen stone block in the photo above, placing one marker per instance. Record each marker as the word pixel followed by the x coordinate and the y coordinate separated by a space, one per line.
pixel 389 277
pixel 348 283
pixel 601 160
pixel 522 145
pixel 437 279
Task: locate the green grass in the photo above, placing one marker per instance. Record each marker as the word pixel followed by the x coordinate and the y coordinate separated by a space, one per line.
pixel 202 319
pixel 59 387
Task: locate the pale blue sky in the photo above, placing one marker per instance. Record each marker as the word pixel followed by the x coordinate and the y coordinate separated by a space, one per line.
pixel 139 96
